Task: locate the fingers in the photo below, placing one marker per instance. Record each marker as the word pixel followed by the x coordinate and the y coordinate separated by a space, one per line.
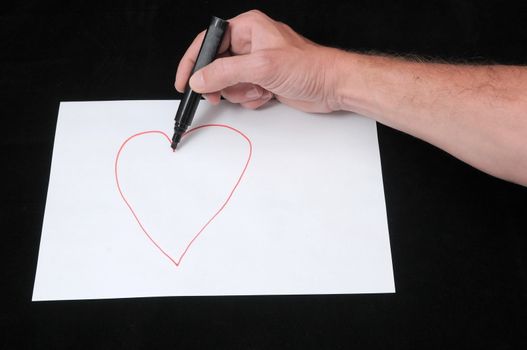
pixel 237 40
pixel 229 71
pixel 243 92
pixel 259 102
pixel 213 98
pixel 242 35
pixel 248 95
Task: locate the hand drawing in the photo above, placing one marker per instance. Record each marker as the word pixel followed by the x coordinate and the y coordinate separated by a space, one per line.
pixel 177 261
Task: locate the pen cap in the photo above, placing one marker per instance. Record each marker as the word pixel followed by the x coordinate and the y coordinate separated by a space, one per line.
pixel 211 42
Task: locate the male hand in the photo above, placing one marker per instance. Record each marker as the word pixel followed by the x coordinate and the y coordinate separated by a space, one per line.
pixel 260 58
pixel 476 113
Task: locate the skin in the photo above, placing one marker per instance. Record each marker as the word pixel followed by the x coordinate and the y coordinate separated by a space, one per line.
pixel 476 113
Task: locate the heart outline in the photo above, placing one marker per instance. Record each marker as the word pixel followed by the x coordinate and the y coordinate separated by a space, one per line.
pixel 223 205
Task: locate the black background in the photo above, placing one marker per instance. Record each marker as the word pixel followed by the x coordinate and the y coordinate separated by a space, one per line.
pixel 458 236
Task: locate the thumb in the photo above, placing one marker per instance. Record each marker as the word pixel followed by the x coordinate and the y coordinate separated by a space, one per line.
pixel 228 71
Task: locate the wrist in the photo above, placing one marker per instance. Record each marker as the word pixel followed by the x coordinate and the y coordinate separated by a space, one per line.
pixel 355 77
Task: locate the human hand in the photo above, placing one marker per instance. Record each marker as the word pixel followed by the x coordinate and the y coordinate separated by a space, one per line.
pixel 260 58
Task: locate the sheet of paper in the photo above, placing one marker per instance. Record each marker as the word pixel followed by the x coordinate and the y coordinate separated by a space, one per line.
pixel 272 201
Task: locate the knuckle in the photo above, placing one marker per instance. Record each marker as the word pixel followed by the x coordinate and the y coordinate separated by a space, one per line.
pixel 257 17
pixel 286 27
pixel 226 95
pixel 255 13
pixel 229 95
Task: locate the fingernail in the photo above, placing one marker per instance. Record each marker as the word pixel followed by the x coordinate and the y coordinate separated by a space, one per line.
pixel 253 93
pixel 196 81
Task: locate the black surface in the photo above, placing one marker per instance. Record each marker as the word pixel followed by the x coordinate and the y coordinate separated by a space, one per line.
pixel 458 236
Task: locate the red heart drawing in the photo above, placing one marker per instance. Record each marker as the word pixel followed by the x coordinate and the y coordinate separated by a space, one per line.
pixel 177 261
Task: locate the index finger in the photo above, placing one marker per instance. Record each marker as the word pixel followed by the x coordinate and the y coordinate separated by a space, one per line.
pixel 240 24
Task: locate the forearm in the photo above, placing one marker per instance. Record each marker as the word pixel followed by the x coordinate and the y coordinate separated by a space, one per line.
pixel 476 113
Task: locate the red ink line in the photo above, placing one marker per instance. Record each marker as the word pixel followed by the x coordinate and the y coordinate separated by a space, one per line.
pixel 116 170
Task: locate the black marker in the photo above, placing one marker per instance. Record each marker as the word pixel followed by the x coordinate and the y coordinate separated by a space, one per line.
pixel 189 102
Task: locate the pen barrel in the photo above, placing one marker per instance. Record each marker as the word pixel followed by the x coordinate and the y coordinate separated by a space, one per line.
pixel 207 53
pixel 211 43
pixel 187 109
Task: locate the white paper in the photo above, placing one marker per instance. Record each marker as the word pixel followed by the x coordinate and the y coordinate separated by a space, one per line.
pixel 308 217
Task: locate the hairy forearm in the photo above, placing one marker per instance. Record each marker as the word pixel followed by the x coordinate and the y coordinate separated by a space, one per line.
pixel 476 113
